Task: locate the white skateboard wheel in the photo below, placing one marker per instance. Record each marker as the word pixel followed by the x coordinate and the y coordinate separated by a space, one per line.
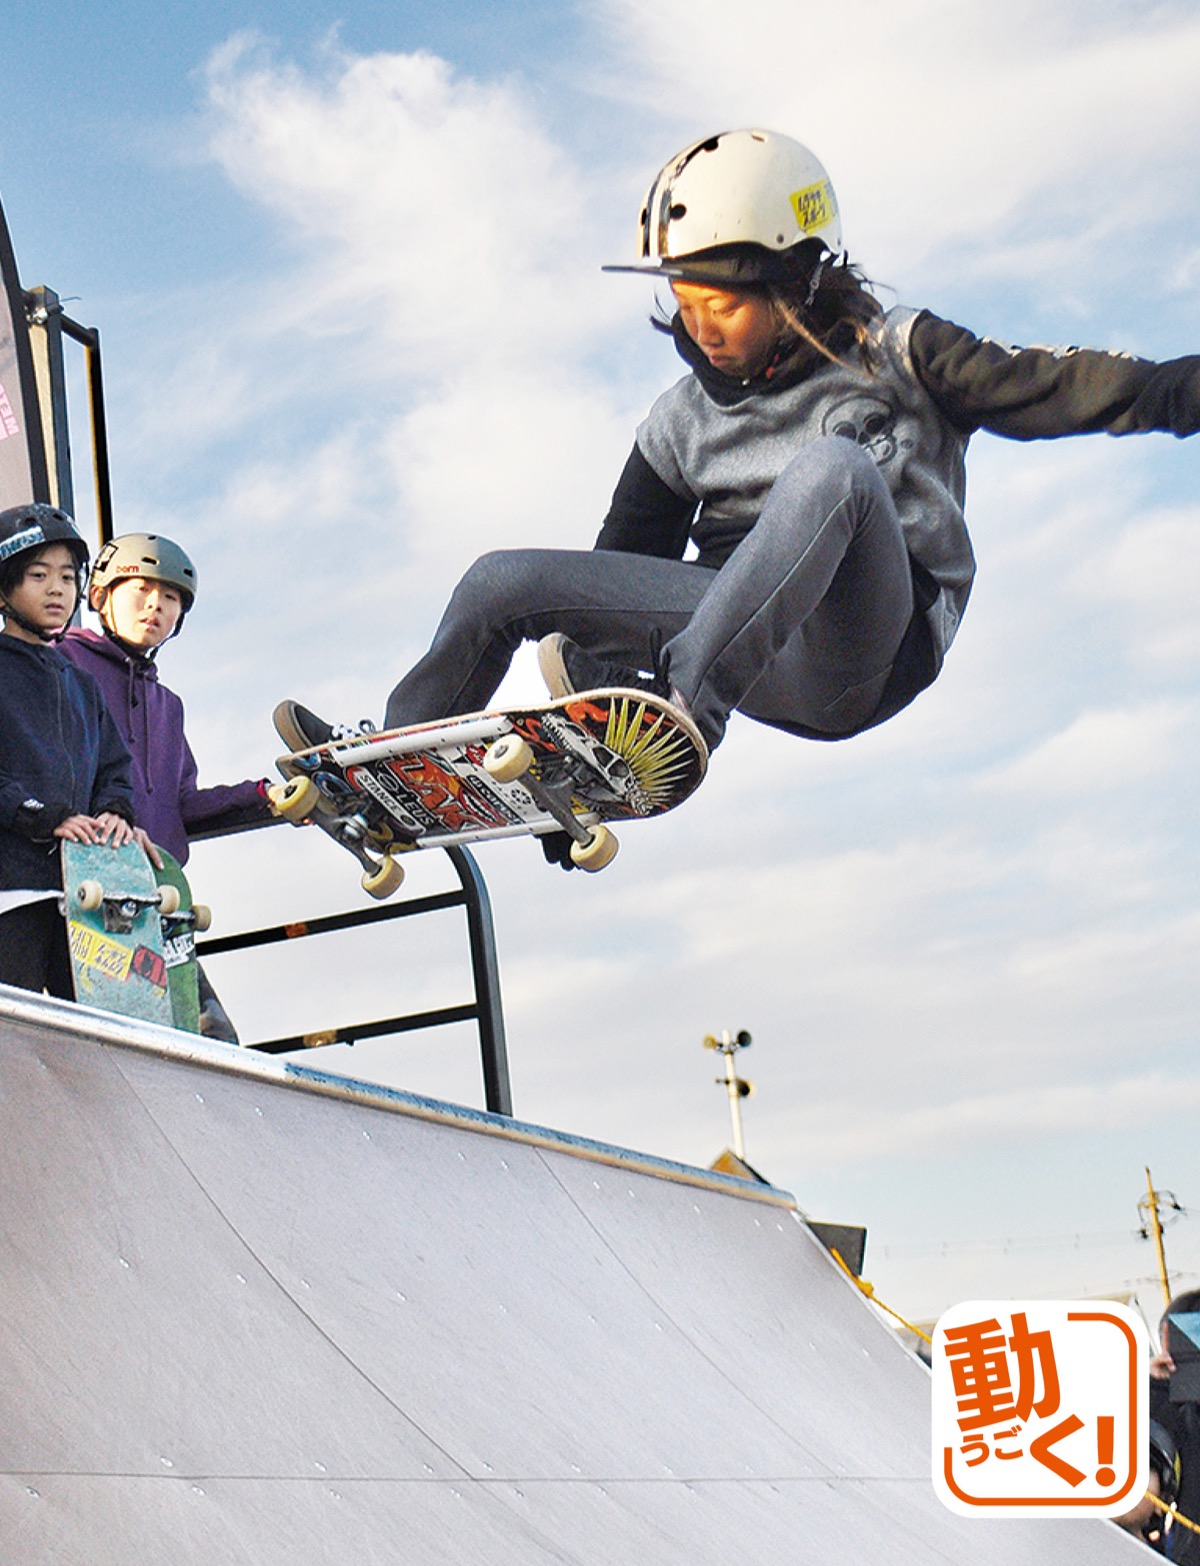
pixel 89 895
pixel 508 759
pixel 384 881
pixel 599 851
pixel 294 800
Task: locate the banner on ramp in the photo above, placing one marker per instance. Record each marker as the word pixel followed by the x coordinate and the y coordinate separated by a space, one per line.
pixel 22 457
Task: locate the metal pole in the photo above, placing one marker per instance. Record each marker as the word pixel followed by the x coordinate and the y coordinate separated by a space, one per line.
pixel 736 1087
pixel 45 313
pixel 732 1087
pixel 49 325
pixel 486 970
pixel 90 338
pixel 1151 1203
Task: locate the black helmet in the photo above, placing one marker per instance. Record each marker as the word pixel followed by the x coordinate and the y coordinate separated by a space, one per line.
pixel 33 526
pixel 24 530
pixel 1164 1459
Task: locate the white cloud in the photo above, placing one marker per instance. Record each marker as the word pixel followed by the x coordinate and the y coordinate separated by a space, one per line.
pixel 997 1117
pixel 1151 572
pixel 1099 752
pixel 402 383
pixel 431 208
pixel 1030 138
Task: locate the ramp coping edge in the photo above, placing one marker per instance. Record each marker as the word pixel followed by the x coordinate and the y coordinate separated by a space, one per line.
pixel 86 1023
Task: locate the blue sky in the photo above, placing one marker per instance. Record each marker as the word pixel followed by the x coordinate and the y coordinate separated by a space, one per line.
pixel 345 264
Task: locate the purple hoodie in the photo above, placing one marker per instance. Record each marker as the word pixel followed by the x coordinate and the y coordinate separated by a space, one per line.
pixel 166 800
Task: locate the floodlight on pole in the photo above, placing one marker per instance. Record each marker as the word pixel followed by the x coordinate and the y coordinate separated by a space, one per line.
pixel 737 1087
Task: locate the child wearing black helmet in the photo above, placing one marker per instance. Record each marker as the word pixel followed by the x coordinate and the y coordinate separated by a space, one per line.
pixel 1175 1414
pixel 813 459
pixel 64 769
pixel 142 587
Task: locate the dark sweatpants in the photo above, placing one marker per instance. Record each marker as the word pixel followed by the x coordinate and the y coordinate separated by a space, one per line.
pixel 33 949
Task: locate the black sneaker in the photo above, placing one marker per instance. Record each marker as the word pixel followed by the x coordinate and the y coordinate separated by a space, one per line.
pixel 568 668
pixel 300 729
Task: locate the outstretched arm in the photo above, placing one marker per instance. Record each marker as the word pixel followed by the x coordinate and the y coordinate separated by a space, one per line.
pixel 1037 393
pixel 223 804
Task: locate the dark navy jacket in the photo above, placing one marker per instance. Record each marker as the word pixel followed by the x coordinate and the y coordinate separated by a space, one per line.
pixel 60 755
pixel 167 800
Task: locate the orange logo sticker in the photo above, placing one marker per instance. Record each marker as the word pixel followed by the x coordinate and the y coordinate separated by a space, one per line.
pixel 1040 1406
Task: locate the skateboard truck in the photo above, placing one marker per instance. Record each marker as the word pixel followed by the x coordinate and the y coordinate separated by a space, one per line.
pixel 299 798
pixel 509 759
pixel 198 918
pixel 121 910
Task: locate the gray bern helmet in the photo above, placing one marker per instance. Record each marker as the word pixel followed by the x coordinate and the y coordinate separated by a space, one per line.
pixel 145 555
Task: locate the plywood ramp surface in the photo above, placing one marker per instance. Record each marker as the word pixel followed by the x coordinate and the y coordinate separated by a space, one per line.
pixel 253 1315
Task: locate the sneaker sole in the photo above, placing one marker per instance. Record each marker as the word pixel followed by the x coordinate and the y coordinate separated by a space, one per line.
pixel 289 731
pixel 552 667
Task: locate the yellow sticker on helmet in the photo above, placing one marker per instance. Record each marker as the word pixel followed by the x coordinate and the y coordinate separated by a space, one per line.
pixel 814 206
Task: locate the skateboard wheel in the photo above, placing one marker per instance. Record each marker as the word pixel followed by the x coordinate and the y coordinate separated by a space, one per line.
pixel 168 900
pixel 294 800
pixel 508 759
pixel 599 851
pixel 202 916
pixel 89 895
pixel 384 881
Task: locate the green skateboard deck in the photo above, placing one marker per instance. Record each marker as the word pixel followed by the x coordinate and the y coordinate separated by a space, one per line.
pixel 179 944
pixel 114 928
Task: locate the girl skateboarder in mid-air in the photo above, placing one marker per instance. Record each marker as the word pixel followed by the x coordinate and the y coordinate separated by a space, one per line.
pixel 814 457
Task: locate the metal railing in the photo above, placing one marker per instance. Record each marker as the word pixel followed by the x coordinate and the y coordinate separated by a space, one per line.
pixel 484 1009
pixel 49 324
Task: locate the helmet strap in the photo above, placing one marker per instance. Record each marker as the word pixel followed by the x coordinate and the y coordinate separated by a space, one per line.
pixel 49 637
pixel 138 654
pixel 141 654
pixel 814 282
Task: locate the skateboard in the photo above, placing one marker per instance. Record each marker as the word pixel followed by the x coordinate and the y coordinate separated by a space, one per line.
pixel 114 912
pixel 179 930
pixel 570 765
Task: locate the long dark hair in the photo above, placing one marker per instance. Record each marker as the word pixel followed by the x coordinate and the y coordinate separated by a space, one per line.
pixel 827 304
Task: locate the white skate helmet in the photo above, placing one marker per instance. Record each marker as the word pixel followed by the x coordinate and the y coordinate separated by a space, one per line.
pixel 733 208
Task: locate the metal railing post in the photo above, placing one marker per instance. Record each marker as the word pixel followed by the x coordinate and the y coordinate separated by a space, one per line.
pixel 486 970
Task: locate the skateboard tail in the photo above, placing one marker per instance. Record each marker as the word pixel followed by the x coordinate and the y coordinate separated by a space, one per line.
pixel 659 755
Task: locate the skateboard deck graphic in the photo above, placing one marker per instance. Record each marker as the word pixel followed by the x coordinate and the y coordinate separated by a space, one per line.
pixel 179 944
pixel 114 929
pixel 569 765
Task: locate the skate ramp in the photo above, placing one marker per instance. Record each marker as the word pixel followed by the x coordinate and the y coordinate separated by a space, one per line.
pixel 253 1314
